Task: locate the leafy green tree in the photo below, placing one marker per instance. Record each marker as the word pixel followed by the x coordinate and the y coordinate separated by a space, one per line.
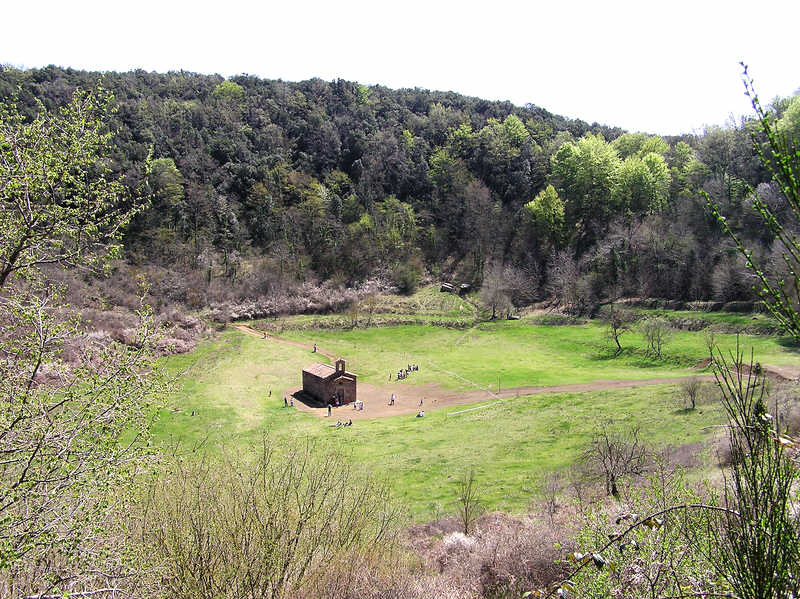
pixel 169 196
pixel 642 184
pixel 60 204
pixel 546 212
pixel 780 295
pixel 789 124
pixel 70 428
pixel 639 144
pixel 228 91
pixel 586 173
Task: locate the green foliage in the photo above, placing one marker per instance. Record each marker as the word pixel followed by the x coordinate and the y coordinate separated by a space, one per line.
pixel 642 184
pixel 655 145
pixel 514 130
pixel 166 181
pixel 245 527
pixel 408 139
pixel 74 409
pixel 586 172
pixel 363 94
pixel 443 169
pixel 546 211
pixel 681 155
pixel 789 124
pixel 228 91
pixel 779 293
pixel 247 152
pixel 59 203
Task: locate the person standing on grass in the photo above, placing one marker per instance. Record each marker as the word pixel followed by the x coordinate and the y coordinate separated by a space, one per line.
pixel 285 402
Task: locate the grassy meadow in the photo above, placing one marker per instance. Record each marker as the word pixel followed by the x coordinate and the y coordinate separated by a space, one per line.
pixel 223 397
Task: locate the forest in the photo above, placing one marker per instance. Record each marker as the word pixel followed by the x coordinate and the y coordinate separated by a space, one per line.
pixel 260 184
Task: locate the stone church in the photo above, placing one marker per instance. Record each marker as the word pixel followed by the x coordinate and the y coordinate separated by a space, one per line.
pixel 327 383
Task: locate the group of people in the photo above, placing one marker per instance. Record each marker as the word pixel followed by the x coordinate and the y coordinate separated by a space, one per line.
pixel 403 373
pixel 287 402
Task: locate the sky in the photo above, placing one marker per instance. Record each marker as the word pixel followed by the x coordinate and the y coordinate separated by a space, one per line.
pixel 659 67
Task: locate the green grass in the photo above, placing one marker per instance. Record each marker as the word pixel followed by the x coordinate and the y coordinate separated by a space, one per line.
pixel 520 353
pixel 226 383
pixel 222 391
pixel 511 445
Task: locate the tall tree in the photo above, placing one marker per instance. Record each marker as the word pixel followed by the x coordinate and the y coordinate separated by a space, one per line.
pixel 586 174
pixel 62 422
pixel 59 203
pixel 781 295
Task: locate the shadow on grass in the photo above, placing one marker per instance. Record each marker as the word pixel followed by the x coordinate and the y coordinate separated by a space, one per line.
pixel 789 343
pixel 639 358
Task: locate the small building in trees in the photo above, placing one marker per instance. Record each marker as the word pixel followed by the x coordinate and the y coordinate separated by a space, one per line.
pixel 327 383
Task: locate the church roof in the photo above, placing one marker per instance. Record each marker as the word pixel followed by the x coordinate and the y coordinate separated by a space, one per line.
pixel 326 371
pixel 322 371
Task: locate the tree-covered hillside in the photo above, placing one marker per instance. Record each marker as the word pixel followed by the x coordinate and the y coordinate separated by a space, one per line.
pixel 269 181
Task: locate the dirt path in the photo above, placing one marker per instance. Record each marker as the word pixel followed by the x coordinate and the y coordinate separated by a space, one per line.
pixel 262 335
pixel 432 396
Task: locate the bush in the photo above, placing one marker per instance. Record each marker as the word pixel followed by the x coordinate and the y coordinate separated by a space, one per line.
pixel 657 333
pixel 406 276
pixel 506 556
pixel 227 529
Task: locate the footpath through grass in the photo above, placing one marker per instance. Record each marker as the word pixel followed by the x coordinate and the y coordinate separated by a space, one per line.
pixel 519 353
pixel 223 397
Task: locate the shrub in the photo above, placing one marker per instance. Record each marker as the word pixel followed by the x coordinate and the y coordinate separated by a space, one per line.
pixel 227 528
pixel 657 333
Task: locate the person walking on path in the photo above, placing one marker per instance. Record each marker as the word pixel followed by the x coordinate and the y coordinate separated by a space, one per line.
pixel 391 400
pixel 329 409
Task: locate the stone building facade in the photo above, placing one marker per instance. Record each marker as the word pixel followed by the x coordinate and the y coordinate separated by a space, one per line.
pixel 328 383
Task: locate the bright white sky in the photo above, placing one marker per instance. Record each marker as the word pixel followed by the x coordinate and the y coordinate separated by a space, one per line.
pixel 662 67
